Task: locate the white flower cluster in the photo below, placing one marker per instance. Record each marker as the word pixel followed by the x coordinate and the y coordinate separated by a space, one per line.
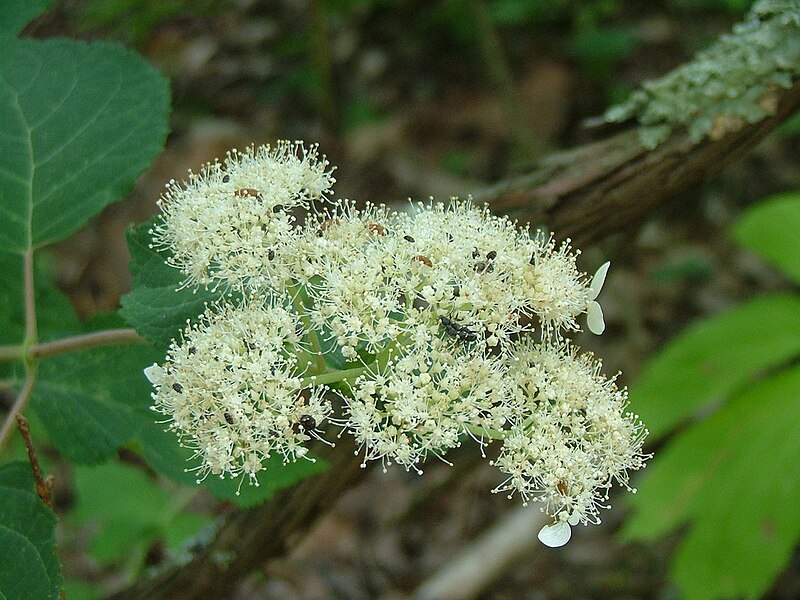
pixel 437 325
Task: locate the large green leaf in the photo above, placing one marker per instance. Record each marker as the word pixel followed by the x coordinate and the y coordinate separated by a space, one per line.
pixel 30 568
pixel 735 478
pixel 93 402
pixel 156 307
pixel 772 229
pixel 80 123
pixel 714 358
pixel 15 14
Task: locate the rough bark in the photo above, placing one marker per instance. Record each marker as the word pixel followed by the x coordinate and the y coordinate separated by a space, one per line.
pixel 587 193
pixel 595 190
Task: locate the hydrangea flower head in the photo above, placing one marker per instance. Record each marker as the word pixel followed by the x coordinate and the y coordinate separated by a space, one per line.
pixel 231 224
pixel 438 325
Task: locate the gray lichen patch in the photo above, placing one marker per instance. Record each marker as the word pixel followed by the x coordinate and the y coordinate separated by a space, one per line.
pixel 730 84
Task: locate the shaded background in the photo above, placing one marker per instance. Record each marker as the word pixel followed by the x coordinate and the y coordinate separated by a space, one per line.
pixel 421 98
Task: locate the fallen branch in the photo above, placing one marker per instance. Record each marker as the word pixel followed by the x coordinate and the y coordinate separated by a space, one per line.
pixel 598 189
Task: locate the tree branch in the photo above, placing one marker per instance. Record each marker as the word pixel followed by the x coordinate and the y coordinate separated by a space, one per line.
pixel 598 189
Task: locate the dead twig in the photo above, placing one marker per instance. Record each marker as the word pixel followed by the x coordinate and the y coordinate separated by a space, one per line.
pixel 44 485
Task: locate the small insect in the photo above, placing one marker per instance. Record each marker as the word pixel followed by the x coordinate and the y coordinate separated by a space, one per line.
pixel 486 266
pixel 562 488
pixel 228 417
pixel 308 422
pixel 408 238
pixel 376 228
pixel 457 330
pixel 247 192
pixel 226 178
pixel 423 259
pixel 177 387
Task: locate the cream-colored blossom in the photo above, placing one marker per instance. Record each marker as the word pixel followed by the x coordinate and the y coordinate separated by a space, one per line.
pixel 450 322
pixel 231 224
pixel 232 392
pixel 571 436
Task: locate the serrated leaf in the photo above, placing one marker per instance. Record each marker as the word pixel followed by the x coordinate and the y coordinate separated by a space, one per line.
pixel 715 357
pixel 771 229
pixel 80 123
pixel 156 307
pixel 93 402
pixel 736 479
pixel 15 14
pixel 130 512
pixel 30 568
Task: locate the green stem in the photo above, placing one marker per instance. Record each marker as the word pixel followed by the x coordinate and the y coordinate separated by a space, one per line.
pixel 345 375
pixel 482 432
pixel 301 306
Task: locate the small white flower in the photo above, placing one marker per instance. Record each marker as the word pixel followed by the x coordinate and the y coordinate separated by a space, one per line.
pixel 556 534
pixel 594 314
pixel 155 374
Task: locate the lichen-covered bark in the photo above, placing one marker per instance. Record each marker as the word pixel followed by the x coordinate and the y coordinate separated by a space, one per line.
pixel 729 84
pixel 598 189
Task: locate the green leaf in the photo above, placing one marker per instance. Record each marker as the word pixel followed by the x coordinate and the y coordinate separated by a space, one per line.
pixel 30 568
pixel 93 402
pixel 736 479
pixel 713 358
pixel 80 123
pixel 156 307
pixel 771 229
pixel 130 512
pixel 15 14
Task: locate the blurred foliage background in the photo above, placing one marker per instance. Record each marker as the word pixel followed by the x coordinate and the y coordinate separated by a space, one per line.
pixel 435 97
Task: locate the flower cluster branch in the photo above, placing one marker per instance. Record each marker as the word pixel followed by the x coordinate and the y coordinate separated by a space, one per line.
pixel 433 326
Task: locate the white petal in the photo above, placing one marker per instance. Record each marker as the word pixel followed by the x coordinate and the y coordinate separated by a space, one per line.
pixel 574 519
pixel 598 280
pixel 555 535
pixel 154 374
pixel 594 318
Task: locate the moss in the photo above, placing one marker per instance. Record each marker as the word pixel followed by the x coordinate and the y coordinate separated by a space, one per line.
pixel 730 84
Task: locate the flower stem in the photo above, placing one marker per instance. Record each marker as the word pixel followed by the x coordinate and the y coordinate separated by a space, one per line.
pixel 345 375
